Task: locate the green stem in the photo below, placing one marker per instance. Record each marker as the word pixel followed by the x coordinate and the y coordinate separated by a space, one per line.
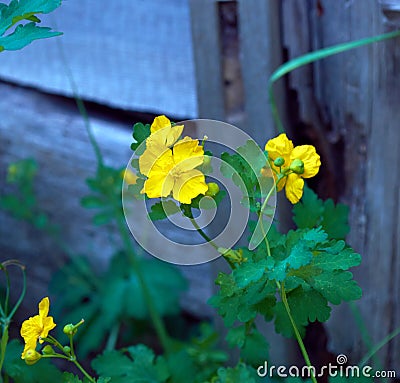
pixel 296 331
pixel 315 56
pixel 203 234
pixel 378 346
pixel 83 371
pixel 154 315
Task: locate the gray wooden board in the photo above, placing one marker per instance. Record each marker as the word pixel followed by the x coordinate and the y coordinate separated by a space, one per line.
pixel 354 97
pixel 134 55
pixel 51 131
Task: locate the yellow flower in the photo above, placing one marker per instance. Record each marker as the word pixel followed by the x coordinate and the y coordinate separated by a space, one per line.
pixel 36 328
pixel 298 162
pixel 174 171
pixel 162 136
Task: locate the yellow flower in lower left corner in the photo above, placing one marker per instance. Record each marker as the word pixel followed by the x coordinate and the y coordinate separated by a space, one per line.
pixel 36 328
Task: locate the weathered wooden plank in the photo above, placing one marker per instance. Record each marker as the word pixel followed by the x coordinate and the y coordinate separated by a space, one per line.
pixel 207 57
pixel 51 130
pixel 135 55
pixel 355 94
pixel 261 54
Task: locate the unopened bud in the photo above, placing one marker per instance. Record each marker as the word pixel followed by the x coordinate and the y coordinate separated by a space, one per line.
pixel 67 349
pixel 279 161
pixel 47 350
pixel 213 189
pixel 69 329
pixel 32 356
pixel 297 166
pixel 206 160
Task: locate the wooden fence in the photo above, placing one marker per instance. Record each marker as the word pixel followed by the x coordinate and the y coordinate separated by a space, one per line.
pixel 346 105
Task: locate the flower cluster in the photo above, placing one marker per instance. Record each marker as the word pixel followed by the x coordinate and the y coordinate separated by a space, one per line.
pixel 36 329
pixel 170 165
pixel 291 164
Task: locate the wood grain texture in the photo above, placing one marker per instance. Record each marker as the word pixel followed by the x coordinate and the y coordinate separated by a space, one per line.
pixel 350 101
pixel 51 130
pixel 134 55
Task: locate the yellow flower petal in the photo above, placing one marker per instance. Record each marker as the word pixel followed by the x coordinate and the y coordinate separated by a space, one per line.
pixel 279 146
pixel 44 307
pixel 162 131
pixel 158 185
pixel 294 188
pixel 189 185
pixel 151 155
pixel 188 154
pixel 310 158
pixel 160 122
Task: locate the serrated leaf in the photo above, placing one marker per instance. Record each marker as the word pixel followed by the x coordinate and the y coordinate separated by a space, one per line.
pixel 282 322
pixel 140 133
pixel 337 286
pixel 24 9
pixel 335 219
pixel 312 212
pixel 250 272
pixel 308 306
pixel 255 350
pixel 141 367
pixel 331 259
pixel 24 35
pixel 307 213
pixel 163 209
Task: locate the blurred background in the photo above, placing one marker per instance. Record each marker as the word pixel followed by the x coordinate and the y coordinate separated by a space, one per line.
pixel 132 60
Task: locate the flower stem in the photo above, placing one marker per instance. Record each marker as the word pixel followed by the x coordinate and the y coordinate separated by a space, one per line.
pixel 81 369
pixel 154 315
pixel 296 331
pixel 203 234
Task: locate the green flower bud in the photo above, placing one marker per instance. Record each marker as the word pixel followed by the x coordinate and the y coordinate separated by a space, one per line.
pixel 47 350
pixel 213 189
pixel 297 166
pixel 279 161
pixel 233 255
pixel 31 357
pixel 206 160
pixel 67 349
pixel 69 329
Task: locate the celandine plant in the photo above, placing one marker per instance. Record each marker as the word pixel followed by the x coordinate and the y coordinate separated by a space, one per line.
pixel 287 278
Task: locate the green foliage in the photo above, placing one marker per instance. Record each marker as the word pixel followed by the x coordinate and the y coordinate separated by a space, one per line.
pixel 311 267
pixel 313 212
pixel 42 372
pixel 21 203
pixel 239 374
pixel 24 10
pixel 115 296
pixel 140 133
pixel 107 188
pixel 163 209
pixel 252 344
pixel 244 168
pixel 137 365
